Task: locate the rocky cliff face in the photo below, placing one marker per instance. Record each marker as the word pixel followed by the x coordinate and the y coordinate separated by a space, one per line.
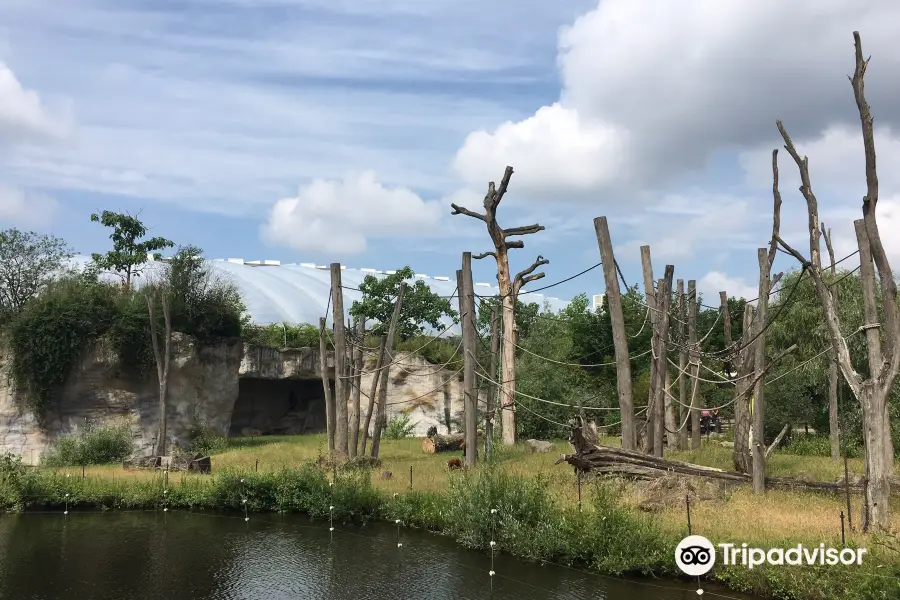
pixel 204 386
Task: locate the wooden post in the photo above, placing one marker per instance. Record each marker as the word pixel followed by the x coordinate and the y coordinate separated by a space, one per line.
pixel 326 383
pixel 726 324
pixel 470 347
pixel 743 461
pixel 360 339
pixel 695 362
pixel 374 390
pixel 340 358
pixel 650 298
pixel 385 371
pixel 663 301
pixel 492 389
pixel 620 339
pixel 759 406
pixel 683 411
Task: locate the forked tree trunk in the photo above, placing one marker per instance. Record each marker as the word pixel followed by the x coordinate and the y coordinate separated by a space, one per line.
pixel 743 460
pixel 162 364
pixel 381 419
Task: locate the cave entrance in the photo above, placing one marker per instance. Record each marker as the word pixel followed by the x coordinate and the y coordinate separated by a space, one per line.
pixel 278 407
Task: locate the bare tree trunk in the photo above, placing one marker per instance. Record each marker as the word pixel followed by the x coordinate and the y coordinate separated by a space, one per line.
pixel 340 358
pixel 672 421
pixel 162 363
pixel 759 406
pixel 743 460
pixel 620 339
pixel 663 301
pixel 509 291
pixel 492 389
pixel 833 425
pixel 326 384
pixel 651 300
pixel 374 390
pixel 683 411
pixel 470 346
pixel 695 362
pixel 357 382
pixel 380 421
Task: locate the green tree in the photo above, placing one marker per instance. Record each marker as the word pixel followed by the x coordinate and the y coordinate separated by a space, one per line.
pixel 202 303
pixel 28 263
pixel 526 314
pixel 129 249
pixel 420 305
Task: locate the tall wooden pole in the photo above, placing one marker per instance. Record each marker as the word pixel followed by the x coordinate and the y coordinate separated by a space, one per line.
pixel 683 411
pixel 620 339
pixel 470 347
pixel 663 301
pixel 385 370
pixel 759 406
pixel 492 388
pixel 326 384
pixel 651 300
pixel 357 381
pixel 372 394
pixel 695 362
pixel 340 359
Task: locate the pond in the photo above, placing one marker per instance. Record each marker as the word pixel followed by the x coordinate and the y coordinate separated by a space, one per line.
pixel 193 556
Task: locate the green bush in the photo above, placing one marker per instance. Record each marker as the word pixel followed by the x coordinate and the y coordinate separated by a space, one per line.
pixel 92 446
pixel 815 445
pixel 399 428
pixel 206 441
pixel 278 335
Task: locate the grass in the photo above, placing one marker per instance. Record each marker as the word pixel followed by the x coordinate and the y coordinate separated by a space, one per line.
pixel 533 482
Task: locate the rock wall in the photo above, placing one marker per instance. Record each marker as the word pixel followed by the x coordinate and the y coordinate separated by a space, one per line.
pixel 226 386
pixel 203 387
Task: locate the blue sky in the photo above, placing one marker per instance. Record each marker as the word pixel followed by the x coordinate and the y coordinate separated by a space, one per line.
pixel 339 130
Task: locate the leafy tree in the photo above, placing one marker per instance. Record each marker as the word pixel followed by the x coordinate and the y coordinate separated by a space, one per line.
pixel 28 263
pixel 420 305
pixel 203 304
pixel 526 314
pixel 128 252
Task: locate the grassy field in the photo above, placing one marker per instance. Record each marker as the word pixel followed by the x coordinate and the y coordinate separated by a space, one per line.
pixel 718 513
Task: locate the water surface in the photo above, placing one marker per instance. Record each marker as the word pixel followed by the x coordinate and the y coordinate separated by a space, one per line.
pixel 194 556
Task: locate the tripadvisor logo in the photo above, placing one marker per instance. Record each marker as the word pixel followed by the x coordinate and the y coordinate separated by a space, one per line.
pixel 695 555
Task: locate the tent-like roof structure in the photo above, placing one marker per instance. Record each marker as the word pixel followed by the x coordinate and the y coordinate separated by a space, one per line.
pixel 299 293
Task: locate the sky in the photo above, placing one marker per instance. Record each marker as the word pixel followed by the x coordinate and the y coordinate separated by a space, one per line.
pixel 341 130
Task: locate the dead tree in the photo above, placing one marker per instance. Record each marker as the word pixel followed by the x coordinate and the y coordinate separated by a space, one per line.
pixel 356 382
pixel 765 257
pixel 620 339
pixel 833 382
pixel 683 411
pixel 381 418
pixel 162 357
pixel 650 297
pixel 883 354
pixel 509 292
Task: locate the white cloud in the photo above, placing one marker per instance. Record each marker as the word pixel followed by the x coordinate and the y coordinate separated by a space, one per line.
pixel 340 216
pixel 714 282
pixel 654 90
pixel 22 114
pixel 25 209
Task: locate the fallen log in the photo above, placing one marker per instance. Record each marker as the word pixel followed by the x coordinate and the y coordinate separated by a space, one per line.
pixel 777 441
pixel 443 443
pixel 606 460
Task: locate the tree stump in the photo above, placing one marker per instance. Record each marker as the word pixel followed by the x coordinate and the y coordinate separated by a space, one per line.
pixel 443 443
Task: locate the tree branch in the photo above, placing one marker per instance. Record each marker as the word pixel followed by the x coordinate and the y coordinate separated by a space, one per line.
pixel 494 196
pixel 524 230
pixel 514 244
pixel 526 276
pixel 800 258
pixel 776 212
pixel 484 255
pixel 776 279
pixel 460 210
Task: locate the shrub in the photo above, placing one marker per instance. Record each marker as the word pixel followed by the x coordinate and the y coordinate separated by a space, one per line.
pixel 206 441
pixel 815 445
pixel 278 335
pixel 399 428
pixel 92 446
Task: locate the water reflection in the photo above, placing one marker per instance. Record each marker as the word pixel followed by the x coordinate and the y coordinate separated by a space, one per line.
pixel 185 556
